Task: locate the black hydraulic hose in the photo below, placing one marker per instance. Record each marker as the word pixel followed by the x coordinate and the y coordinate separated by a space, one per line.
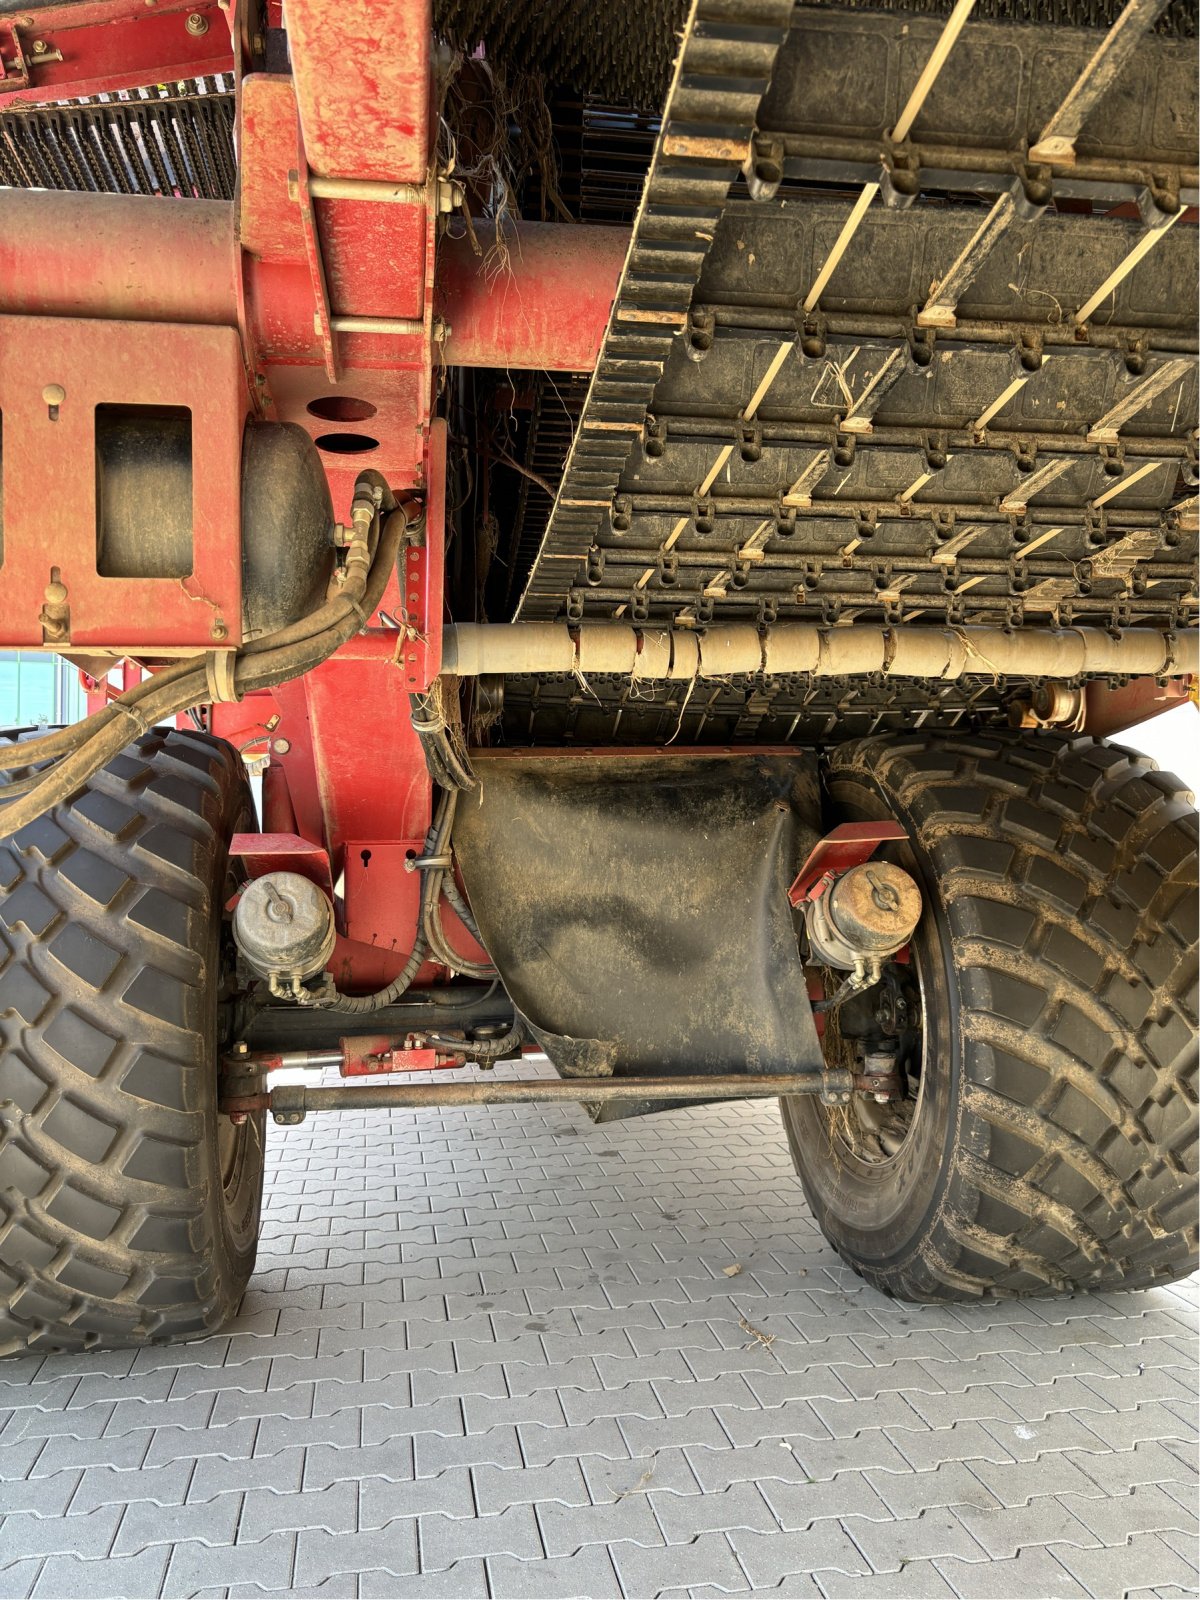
pixel 360 1003
pixel 267 661
pixel 60 742
pixel 459 906
pixel 435 934
pixel 434 887
pixel 480 1049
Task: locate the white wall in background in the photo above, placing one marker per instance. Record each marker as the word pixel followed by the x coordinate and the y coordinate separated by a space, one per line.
pixel 1173 740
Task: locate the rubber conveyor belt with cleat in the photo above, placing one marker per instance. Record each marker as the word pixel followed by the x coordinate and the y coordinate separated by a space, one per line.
pixel 908 333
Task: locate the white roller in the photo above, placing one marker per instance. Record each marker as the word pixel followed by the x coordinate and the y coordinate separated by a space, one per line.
pixel 548 649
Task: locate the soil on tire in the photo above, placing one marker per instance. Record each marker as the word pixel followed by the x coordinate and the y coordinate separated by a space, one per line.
pixel 1058 1148
pixel 128 1208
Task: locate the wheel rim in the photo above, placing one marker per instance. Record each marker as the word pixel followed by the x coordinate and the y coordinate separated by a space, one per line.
pixel 239 1145
pixel 868 1133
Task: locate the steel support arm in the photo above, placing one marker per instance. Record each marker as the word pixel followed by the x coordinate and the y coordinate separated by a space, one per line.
pixel 133 258
pixel 122 256
pixel 546 307
pixel 290 1103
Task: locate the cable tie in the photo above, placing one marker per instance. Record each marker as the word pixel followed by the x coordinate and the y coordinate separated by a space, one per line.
pixel 136 717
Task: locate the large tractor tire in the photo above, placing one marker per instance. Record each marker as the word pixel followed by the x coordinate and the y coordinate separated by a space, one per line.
pixel 128 1208
pixel 1047 1140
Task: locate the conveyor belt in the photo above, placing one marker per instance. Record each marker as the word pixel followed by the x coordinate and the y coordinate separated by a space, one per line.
pixel 961 388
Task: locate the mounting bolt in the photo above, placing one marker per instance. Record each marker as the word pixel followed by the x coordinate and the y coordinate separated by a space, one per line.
pixel 55 615
pixel 237 1118
pixel 197 24
pixel 218 631
pixel 54 394
pixel 39 47
pixel 281 746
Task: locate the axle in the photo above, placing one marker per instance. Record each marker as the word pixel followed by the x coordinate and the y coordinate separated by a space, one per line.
pixel 289 1104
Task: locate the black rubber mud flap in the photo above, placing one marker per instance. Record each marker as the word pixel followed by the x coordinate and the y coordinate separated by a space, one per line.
pixel 636 908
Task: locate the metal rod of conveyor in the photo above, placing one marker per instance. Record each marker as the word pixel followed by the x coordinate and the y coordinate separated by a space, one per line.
pixel 649 653
pixel 1056 143
pixel 291 1100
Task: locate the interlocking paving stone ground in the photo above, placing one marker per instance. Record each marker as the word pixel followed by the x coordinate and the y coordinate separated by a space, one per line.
pixel 496 1354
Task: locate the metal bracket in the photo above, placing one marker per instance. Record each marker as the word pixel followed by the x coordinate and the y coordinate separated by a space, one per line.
pixel 848 845
pixel 300 188
pixel 763 167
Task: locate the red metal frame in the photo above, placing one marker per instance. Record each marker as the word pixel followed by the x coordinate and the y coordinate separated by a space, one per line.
pixel 361 69
pixel 283 852
pixel 116 363
pixel 848 845
pixel 58 51
pixel 233 310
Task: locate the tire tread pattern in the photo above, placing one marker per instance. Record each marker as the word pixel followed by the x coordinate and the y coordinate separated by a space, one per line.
pixel 1066 869
pixel 107 1210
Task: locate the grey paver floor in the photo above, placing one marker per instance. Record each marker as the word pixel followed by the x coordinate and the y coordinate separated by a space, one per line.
pixel 503 1353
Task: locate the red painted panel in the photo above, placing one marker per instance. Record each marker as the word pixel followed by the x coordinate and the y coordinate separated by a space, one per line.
pixel 362 82
pixel 109 44
pixel 133 363
pixel 282 852
pixel 382 900
pixel 268 217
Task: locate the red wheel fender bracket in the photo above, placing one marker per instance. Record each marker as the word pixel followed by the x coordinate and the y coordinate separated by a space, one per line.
pixel 848 845
pixel 283 852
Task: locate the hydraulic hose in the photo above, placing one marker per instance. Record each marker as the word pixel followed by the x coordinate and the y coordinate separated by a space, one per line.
pixel 261 664
pixel 432 889
pixel 430 936
pixel 60 742
pixel 334 1000
pixel 480 1049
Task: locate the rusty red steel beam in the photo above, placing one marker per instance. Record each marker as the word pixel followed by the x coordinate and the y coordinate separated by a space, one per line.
pixel 546 309
pixel 129 257
pixel 56 52
pixel 119 256
pixel 1108 711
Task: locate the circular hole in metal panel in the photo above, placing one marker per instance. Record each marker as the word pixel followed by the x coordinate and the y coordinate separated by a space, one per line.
pixel 346 444
pixel 341 408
